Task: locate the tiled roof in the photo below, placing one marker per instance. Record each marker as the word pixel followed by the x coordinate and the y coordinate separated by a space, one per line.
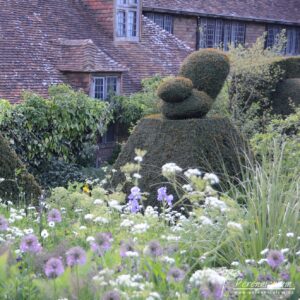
pixel 39 38
pixel 285 11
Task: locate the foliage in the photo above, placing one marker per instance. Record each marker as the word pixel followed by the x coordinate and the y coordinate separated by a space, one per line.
pixel 186 251
pixel 129 109
pixel 207 69
pixel 59 127
pixel 287 96
pixel 16 183
pixel 175 89
pixel 197 105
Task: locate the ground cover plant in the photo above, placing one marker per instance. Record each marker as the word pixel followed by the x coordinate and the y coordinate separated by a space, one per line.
pixel 102 244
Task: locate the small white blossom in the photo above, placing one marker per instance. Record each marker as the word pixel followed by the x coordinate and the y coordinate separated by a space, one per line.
pixel 101 220
pixel 89 217
pixel 212 178
pixel 290 234
pixel 192 172
pixel 264 252
pixel 138 159
pixel 170 169
pixel 82 228
pixel 250 261
pixel 1 179
pixel 285 250
pixel 298 253
pixel 98 201
pixel 126 223
pixel 235 226
pixel 90 239
pixel 235 263
pixel 216 203
pixel 44 234
pixel 140 228
pixel 205 220
pixel 51 224
pixel 261 261
pixel 28 231
pixel 137 176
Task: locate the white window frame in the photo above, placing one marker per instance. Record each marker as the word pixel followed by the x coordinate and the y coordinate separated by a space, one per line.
pixel 127 6
pixel 104 78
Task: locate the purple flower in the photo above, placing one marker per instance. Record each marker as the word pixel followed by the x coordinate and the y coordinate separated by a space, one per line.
pixel 102 243
pixel 3 224
pixel 30 243
pixel 134 199
pixel 111 295
pixel 163 196
pixel 76 256
pixel 212 290
pixel 126 247
pixel 275 258
pixel 175 274
pixel 154 249
pixel 54 215
pixel 285 276
pixel 54 267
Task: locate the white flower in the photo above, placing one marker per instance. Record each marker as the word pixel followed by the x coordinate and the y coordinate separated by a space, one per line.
pixel 89 217
pixel 98 201
pixel 17 217
pixel 192 172
pixel 250 261
pixel 1 179
pixel 137 176
pixel 275 285
pixel 168 260
pixel 264 252
pixel 18 251
pixel 290 234
pixel 132 254
pixel 285 250
pixel 298 253
pixel 298 238
pixel 187 187
pixel 140 228
pixel 115 204
pixel 101 220
pixel 82 228
pixel 153 296
pixel 151 212
pixel 170 169
pixel 206 276
pixel 235 263
pixel 126 223
pixel 78 210
pixel 138 159
pixel 44 234
pixel 9 203
pixel 261 261
pixel 212 178
pixel 90 239
pixel 28 231
pixel 235 226
pixel 51 224
pixel 216 203
pixel 205 220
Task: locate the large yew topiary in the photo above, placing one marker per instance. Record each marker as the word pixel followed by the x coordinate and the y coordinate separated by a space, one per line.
pixel 18 184
pixel 207 69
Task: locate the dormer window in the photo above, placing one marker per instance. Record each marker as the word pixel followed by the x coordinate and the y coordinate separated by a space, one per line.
pixel 127 20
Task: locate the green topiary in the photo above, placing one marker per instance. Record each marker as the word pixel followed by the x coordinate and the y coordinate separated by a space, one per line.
pixel 287 91
pixel 175 89
pixel 195 106
pixel 207 69
pixel 210 144
pixel 17 180
pixel 290 66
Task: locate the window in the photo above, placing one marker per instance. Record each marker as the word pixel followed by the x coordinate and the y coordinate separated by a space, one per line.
pixel 103 87
pixel 292 36
pixel 219 33
pixel 162 20
pixel 127 19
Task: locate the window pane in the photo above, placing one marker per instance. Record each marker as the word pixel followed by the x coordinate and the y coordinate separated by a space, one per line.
pixel 109 135
pixel 132 23
pixel 121 23
pixel 159 20
pixel 168 23
pixel 218 42
pixel 99 88
pixel 111 86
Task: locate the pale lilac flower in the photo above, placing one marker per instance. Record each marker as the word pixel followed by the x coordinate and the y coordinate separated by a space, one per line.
pixel 3 224
pixel 154 249
pixel 134 199
pixel 54 267
pixel 102 243
pixel 175 274
pixel 76 256
pixel 31 244
pixel 111 295
pixel 212 290
pixel 163 196
pixel 54 215
pixel 126 247
pixel 275 258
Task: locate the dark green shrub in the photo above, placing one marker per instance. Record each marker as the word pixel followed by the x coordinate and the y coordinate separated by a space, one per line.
pixel 18 184
pixel 195 106
pixel 286 91
pixel 210 144
pixel 290 66
pixel 175 89
pixel 207 69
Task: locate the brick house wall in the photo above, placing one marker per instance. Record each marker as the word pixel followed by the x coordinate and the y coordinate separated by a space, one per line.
pixel 79 81
pixel 185 28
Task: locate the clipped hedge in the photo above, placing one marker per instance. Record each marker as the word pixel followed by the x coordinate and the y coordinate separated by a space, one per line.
pixel 287 91
pixel 290 66
pixel 207 144
pixel 207 69
pixel 196 106
pixel 175 89
pixel 17 179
